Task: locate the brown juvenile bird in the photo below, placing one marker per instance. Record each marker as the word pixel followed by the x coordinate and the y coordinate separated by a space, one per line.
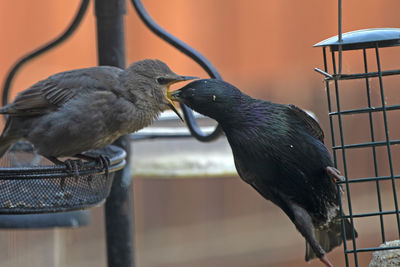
pixel 79 110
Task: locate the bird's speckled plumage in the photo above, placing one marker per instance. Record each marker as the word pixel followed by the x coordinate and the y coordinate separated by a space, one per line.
pixel 75 111
pixel 278 149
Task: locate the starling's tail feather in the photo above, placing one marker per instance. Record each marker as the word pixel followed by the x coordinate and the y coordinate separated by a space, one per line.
pixel 330 237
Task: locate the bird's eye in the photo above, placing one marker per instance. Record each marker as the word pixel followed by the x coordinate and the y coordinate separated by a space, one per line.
pixel 163 80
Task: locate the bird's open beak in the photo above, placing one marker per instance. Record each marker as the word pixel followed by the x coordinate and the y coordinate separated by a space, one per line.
pixel 168 95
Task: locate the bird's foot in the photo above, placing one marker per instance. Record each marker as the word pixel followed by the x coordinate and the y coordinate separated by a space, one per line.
pixel 89 180
pixel 325 261
pixel 103 161
pixel 72 168
pixel 335 175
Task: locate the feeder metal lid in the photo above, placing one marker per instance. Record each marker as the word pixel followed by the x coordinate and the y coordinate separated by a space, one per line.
pixel 367 38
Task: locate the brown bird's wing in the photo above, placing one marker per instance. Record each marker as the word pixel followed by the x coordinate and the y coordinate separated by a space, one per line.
pixel 49 94
pixel 43 97
pixel 311 124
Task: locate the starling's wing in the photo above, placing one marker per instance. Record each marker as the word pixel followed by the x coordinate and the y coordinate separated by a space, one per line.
pixel 311 124
pixel 49 94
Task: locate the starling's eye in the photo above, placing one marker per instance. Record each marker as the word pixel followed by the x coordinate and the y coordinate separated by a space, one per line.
pixel 163 80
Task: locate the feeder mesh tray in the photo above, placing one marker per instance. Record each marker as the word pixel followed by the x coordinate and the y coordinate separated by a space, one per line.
pixel 30 183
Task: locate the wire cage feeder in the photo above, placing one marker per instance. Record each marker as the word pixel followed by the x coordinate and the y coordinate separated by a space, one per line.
pixel 363 104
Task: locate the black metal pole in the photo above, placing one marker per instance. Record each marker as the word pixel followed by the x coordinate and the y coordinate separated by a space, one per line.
pixel 119 205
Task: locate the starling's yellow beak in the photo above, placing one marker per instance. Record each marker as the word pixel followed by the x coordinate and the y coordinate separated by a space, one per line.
pixel 168 93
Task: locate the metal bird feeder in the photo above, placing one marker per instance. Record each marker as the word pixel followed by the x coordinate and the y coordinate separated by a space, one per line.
pixel 31 184
pixel 362 112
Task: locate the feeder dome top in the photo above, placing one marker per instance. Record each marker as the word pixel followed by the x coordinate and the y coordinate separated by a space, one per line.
pixel 367 38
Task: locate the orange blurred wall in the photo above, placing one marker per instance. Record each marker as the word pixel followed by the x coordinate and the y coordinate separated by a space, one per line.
pixel 262 46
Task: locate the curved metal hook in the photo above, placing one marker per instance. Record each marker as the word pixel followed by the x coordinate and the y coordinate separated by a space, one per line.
pixel 190 52
pixel 67 33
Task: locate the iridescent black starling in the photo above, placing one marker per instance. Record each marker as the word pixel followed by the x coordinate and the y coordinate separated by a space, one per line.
pixel 278 150
pixel 79 110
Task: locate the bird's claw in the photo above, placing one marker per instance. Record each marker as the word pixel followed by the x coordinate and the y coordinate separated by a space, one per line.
pixel 72 168
pixel 89 180
pixel 104 162
pixel 335 175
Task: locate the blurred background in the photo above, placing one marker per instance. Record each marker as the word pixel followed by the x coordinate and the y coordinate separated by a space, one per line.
pixel 262 47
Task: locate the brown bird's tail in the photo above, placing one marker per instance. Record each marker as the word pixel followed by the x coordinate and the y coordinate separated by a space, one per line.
pixel 330 236
pixel 9 137
pixel 5 144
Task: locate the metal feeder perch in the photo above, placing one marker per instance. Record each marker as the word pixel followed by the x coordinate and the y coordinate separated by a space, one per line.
pixel 373 115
